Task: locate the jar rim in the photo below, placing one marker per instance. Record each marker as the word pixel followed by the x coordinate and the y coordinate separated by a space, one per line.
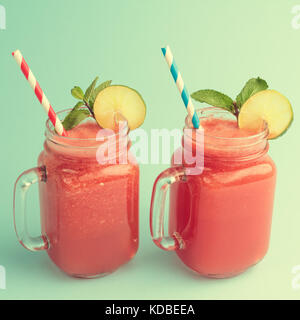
pixel 54 137
pixel 263 134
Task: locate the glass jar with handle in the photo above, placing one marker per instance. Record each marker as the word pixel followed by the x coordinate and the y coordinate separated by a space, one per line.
pixel 219 220
pixel 89 200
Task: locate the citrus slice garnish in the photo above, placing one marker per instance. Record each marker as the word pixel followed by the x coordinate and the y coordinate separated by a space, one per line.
pixel 270 106
pixel 122 100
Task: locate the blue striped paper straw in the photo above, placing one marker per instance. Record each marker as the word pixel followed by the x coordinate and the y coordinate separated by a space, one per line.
pixel 181 86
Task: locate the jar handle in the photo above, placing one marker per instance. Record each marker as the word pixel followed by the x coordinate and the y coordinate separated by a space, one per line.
pixel 157 209
pixel 22 185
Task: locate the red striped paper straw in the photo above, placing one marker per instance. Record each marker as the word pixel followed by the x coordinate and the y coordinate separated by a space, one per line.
pixel 39 93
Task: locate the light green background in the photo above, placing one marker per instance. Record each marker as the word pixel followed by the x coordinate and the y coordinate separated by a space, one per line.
pixel 217 44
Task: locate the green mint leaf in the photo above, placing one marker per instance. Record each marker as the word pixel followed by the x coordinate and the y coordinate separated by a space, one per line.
pixel 90 90
pixel 77 93
pixel 75 117
pixel 253 86
pixel 97 91
pixel 214 98
pixel 78 105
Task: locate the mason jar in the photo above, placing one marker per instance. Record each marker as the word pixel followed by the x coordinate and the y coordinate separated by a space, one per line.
pixel 220 214
pixel 89 202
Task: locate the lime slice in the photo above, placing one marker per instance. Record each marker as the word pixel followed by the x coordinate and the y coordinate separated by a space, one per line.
pixel 270 106
pixel 115 100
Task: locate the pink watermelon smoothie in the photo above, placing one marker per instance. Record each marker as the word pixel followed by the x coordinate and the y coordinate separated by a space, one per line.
pixel 89 211
pixel 224 214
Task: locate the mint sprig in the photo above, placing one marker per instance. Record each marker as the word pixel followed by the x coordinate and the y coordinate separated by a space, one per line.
pixel 220 100
pixel 253 86
pixel 214 98
pixel 77 93
pixel 75 117
pixel 88 94
pixel 87 99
